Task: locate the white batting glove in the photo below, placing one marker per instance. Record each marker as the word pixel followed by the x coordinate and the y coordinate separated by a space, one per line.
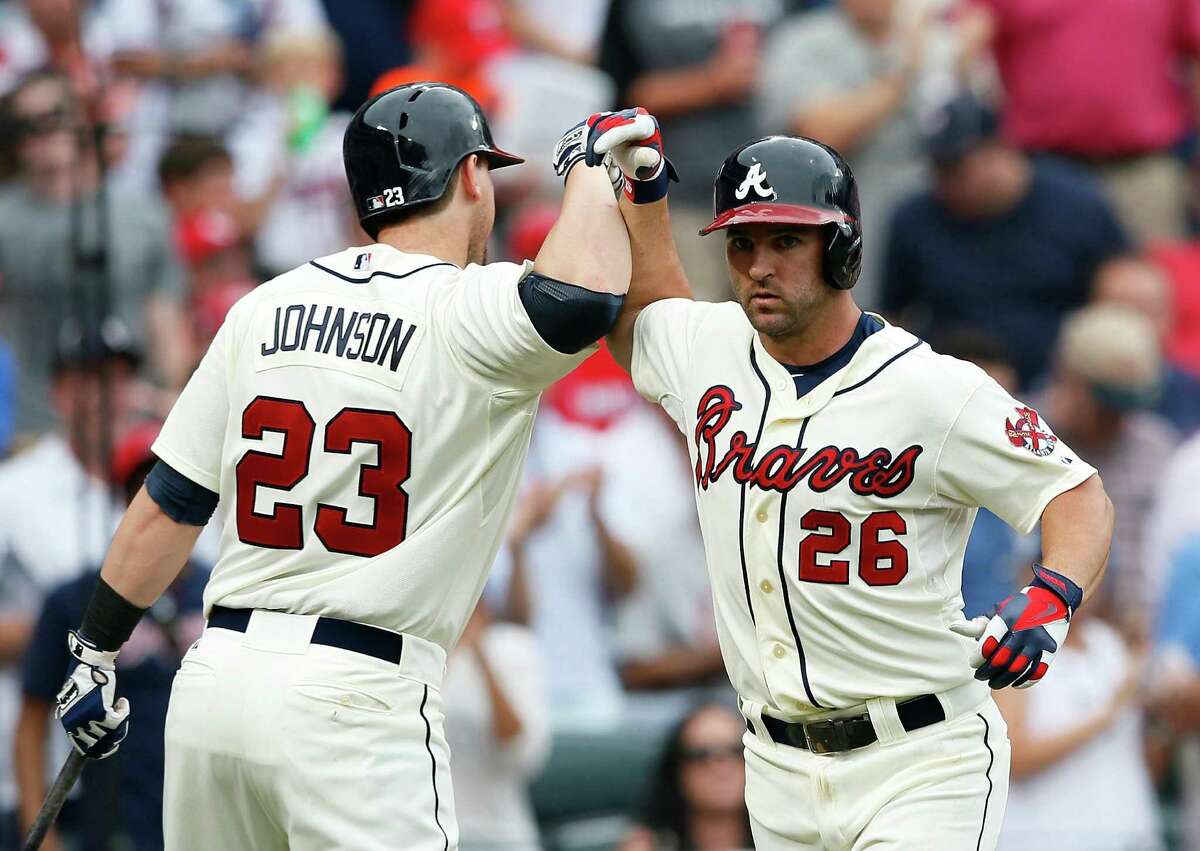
pixel 95 721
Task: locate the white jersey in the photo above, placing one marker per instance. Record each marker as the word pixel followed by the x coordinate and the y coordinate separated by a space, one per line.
pixel 835 524
pixel 365 418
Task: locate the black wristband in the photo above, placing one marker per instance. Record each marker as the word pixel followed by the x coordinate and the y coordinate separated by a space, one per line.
pixel 109 619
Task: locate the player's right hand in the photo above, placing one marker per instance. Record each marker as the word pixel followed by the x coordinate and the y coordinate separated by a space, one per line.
pixel 631 139
pixel 95 721
pixel 628 143
pixel 1026 631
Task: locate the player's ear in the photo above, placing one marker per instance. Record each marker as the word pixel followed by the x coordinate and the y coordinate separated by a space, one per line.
pixel 473 176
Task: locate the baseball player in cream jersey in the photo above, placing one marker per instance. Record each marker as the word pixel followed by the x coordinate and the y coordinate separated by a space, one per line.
pixel 364 419
pixel 839 464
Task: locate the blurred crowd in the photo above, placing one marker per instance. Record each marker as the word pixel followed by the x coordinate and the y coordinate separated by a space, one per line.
pixel 1030 181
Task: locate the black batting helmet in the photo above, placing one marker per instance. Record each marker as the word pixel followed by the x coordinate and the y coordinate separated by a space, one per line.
pixel 402 146
pixel 793 180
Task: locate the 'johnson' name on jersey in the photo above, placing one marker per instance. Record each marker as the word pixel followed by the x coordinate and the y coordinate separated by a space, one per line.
pixel 365 335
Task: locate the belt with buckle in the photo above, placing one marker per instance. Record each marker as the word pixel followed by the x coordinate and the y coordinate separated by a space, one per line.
pixel 835 735
pixel 329 632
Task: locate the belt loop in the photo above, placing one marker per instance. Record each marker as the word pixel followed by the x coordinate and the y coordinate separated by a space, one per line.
pixel 753 714
pixel 963 699
pixel 885 720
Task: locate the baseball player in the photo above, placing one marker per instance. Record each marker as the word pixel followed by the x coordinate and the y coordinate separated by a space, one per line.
pixel 364 419
pixel 839 464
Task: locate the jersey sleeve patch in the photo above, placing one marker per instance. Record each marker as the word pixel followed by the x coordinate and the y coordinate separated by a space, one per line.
pixel 1027 432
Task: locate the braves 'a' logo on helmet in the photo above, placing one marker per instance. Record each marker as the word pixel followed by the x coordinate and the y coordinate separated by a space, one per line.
pixel 756 179
pixel 1028 433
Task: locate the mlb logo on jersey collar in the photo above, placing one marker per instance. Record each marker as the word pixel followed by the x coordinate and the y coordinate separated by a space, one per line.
pixel 362 262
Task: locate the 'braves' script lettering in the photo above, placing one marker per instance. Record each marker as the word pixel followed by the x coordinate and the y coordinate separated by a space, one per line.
pixel 876 473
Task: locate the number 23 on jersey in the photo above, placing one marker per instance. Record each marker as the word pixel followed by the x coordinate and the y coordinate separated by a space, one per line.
pixel 382 482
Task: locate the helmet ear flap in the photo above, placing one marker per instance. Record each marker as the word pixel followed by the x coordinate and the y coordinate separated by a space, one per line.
pixel 843 255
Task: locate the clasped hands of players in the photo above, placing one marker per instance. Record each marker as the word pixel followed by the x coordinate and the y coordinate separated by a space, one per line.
pixel 1018 642
pixel 628 144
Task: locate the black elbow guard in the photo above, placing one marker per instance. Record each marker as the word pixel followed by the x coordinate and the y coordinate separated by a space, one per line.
pixel 568 317
pixel 179 497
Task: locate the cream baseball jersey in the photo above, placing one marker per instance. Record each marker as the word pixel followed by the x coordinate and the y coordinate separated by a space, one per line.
pixel 835 523
pixel 364 419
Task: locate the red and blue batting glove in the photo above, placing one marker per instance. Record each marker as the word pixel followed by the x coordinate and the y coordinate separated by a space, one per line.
pixel 1026 631
pixel 629 144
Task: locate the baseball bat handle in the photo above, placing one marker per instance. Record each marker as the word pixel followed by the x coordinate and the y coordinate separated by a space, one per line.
pixel 67 775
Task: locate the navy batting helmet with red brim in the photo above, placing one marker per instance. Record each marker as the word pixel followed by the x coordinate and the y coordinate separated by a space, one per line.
pixel 791 180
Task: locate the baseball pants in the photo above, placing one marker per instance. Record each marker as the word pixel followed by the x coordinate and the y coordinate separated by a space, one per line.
pixel 939 788
pixel 276 743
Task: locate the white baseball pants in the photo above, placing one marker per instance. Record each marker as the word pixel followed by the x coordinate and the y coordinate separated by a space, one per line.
pixel 939 788
pixel 276 743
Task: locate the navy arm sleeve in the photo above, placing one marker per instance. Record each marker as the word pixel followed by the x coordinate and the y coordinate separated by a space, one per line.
pixel 179 497
pixel 568 317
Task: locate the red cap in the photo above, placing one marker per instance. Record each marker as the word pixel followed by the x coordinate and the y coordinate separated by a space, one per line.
pixel 133 450
pixel 786 214
pixel 202 234
pixel 596 394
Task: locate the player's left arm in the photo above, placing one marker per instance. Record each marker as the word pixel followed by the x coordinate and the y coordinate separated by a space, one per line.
pixel 1021 638
pixel 999 454
pixel 1077 528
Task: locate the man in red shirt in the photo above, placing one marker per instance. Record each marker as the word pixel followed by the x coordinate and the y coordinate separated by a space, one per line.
pixel 1103 83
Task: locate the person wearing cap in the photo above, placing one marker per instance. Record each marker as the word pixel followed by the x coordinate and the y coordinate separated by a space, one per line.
pixel 59 511
pixel 363 419
pixel 839 463
pixel 1144 286
pixel 857 74
pixel 1106 381
pixel 1000 241
pixel 147 669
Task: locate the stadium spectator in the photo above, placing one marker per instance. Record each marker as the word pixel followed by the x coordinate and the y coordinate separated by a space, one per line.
pixel 197 61
pixel 378 32
pixel 695 66
pixel 1174 699
pixel 1181 262
pixel 58 510
pixel 574 569
pixel 1099 399
pixel 1142 286
pixel 310 214
pixel 147 668
pixel 1102 84
pixel 698 800
pixel 568 32
pixel 497 714
pixel 50 265
pixel 858 76
pixel 666 635
pixel 195 174
pixel 1000 242
pixel 1078 773
pixel 994 551
pixel 1175 516
pixel 70 37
